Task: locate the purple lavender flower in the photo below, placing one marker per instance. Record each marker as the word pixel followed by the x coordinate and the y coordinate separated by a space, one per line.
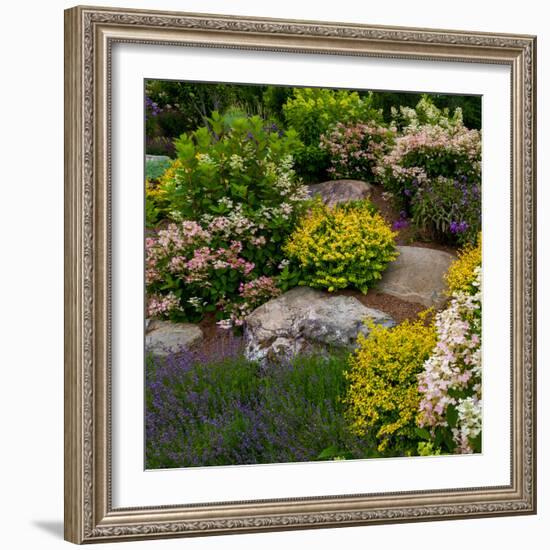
pixel 233 411
pixel 400 224
pixel 458 227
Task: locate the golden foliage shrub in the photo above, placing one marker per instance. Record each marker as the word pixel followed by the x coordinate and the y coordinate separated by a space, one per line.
pixel 462 272
pixel 382 400
pixel 348 245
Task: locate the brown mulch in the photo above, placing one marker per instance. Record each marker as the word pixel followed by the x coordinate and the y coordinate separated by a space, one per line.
pixel 397 308
pixel 407 236
pixel 217 342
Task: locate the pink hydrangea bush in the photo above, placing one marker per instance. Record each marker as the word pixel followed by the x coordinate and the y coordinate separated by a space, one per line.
pixel 191 270
pixel 356 149
pixel 450 384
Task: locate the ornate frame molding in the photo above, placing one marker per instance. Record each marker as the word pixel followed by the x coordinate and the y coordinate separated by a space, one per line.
pixel 89 34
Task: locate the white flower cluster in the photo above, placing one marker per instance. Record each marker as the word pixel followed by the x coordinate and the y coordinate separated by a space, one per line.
pixel 205 158
pixel 452 374
pixel 236 163
pixel 469 422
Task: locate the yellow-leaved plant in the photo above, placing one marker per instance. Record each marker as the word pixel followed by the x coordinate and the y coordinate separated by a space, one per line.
pixel 382 400
pixel 463 271
pixel 348 245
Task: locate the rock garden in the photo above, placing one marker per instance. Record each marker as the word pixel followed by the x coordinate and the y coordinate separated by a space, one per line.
pixel 313 274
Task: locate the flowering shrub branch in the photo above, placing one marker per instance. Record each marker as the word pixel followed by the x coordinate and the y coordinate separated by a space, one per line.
pixel 356 149
pixel 234 198
pixel 450 383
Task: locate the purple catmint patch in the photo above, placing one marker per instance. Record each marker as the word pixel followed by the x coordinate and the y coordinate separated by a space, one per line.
pixel 201 412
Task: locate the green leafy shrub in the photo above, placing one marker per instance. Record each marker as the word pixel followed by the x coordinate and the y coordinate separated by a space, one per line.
pixel 348 245
pixel 313 112
pixel 239 175
pixel 237 161
pixel 383 398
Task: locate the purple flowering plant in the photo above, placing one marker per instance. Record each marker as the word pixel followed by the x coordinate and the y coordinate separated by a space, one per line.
pixel 227 410
pixel 449 209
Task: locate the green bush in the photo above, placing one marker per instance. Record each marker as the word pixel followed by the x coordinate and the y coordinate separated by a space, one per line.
pixel 239 174
pixel 383 398
pixel 236 161
pixel 313 112
pixel 333 248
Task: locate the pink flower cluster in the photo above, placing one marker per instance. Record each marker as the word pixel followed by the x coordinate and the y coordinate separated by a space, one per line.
pixel 454 368
pixel 183 253
pixel 431 141
pixel 253 294
pixel 258 289
pixel 205 259
pixel 158 306
pixel 355 149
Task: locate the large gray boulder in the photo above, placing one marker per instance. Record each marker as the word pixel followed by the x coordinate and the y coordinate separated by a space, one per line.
pixel 165 337
pixel 340 191
pixel 304 320
pixel 417 275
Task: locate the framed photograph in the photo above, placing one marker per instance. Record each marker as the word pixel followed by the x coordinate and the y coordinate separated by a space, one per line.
pixel 300 274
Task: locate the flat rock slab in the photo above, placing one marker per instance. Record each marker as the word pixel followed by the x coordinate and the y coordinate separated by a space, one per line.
pixel 164 337
pixel 305 320
pixel 340 191
pixel 417 275
pixel 154 158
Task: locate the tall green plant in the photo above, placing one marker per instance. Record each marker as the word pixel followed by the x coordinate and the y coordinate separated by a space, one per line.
pixel 312 112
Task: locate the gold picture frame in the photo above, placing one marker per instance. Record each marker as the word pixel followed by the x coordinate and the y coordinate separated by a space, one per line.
pixel 89 36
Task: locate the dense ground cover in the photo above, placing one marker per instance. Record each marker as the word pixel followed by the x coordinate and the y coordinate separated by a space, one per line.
pixel 232 411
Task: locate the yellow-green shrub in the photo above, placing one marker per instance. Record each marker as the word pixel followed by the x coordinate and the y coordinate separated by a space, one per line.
pixel 348 245
pixel 462 272
pixel 157 203
pixel 382 399
pixel 170 173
